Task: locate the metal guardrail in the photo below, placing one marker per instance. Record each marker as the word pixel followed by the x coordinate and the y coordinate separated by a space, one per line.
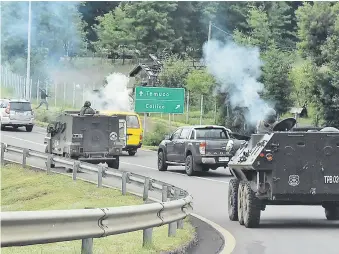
pixel 38 227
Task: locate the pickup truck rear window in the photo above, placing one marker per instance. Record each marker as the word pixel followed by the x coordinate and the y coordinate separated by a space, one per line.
pixel 20 106
pixel 211 133
pixel 132 122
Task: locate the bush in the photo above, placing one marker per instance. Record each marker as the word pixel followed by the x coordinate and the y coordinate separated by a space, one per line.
pixel 156 136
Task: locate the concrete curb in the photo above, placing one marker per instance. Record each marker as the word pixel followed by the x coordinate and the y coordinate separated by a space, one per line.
pixel 229 240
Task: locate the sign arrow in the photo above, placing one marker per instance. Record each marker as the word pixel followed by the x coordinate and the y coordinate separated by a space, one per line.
pixel 141 93
pixel 177 107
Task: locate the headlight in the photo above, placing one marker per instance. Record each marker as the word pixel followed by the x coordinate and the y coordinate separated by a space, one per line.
pixel 229 146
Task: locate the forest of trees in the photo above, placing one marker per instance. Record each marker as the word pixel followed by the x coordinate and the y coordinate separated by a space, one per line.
pixel 298 42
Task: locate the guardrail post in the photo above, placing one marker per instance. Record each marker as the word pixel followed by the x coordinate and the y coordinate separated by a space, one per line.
pixel 164 193
pixel 49 163
pixel 100 177
pixel 147 237
pixel 87 246
pixel 146 189
pixel 125 177
pixel 76 166
pixel 25 154
pixel 180 223
pixel 172 227
pixel 3 148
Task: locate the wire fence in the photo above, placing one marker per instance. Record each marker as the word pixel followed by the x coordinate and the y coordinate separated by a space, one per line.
pixel 72 95
pixel 60 94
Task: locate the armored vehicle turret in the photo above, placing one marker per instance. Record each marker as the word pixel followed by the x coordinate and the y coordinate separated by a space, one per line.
pixel 285 167
pixel 91 138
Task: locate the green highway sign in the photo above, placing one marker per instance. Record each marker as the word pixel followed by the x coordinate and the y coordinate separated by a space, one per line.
pixel 159 100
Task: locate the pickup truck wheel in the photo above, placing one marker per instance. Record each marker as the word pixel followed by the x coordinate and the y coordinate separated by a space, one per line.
pixel 162 165
pixel 251 207
pixel 332 213
pixel 233 199
pixel 205 169
pixel 190 166
pixel 240 203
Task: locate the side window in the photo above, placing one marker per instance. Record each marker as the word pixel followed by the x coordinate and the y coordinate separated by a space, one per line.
pixel 192 134
pixel 176 134
pixel 184 133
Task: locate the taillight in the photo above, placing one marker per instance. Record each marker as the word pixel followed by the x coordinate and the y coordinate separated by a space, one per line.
pixel 140 137
pixel 7 109
pixel 202 148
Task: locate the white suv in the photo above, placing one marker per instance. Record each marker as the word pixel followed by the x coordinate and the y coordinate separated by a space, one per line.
pixel 16 113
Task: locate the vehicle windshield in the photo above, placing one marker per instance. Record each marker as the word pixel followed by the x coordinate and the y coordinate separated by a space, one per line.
pixel 132 122
pixel 211 133
pixel 21 106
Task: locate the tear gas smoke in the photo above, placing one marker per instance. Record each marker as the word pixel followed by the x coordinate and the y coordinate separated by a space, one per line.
pixel 115 96
pixel 236 70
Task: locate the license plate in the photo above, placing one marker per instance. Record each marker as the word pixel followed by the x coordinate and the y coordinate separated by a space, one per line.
pixel 224 159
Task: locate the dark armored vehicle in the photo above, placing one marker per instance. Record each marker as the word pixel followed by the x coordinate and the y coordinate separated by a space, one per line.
pixel 198 148
pixel 285 167
pixel 91 138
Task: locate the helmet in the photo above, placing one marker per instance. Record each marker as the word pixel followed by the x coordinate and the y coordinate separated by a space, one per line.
pixel 270 116
pixel 87 104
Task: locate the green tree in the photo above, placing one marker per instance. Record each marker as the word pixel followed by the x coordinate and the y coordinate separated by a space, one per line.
pixel 174 72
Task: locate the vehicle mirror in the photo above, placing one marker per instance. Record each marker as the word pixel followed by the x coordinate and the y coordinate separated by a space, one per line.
pixel 167 137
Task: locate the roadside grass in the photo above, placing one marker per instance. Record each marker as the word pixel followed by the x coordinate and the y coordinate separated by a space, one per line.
pixel 28 190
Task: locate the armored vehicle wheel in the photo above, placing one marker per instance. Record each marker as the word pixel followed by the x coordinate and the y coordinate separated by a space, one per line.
pixel 233 199
pixel 240 203
pixel 132 152
pixel 162 165
pixel 190 166
pixel 114 163
pixel 29 128
pixel 332 213
pixel 251 207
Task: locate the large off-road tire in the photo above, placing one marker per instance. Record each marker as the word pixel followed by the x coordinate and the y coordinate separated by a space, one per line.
pixel 233 199
pixel 114 163
pixel 162 165
pixel 251 207
pixel 29 128
pixel 190 166
pixel 132 152
pixel 240 203
pixel 332 213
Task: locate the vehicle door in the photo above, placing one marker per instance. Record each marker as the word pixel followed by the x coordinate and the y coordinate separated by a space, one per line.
pixel 179 145
pixel 134 130
pixel 170 144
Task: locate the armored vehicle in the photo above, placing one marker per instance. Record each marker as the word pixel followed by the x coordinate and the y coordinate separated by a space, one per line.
pixel 285 167
pixel 90 138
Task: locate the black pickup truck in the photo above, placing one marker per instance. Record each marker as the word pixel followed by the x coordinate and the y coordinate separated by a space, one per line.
pixel 198 148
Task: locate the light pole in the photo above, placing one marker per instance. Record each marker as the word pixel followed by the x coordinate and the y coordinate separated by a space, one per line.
pixel 28 71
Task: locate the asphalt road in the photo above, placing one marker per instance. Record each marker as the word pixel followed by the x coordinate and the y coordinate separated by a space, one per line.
pixel 283 229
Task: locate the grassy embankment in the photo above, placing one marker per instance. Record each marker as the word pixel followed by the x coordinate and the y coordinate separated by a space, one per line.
pixel 27 190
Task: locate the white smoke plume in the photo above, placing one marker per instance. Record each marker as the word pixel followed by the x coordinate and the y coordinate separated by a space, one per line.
pixel 115 96
pixel 236 70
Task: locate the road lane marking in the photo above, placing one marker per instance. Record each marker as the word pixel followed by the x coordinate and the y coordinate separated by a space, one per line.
pixel 203 178
pixel 25 140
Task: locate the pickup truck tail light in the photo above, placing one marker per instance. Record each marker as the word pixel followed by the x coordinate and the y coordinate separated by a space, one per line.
pixel 202 148
pixel 7 109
